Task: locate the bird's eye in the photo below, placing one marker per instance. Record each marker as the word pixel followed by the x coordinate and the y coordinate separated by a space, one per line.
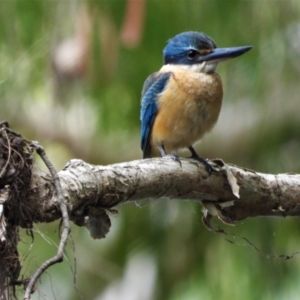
pixel 192 54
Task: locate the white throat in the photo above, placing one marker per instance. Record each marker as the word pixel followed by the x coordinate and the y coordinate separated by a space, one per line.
pixel 204 67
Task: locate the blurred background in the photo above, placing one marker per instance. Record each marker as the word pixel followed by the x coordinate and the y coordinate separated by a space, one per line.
pixel 71 74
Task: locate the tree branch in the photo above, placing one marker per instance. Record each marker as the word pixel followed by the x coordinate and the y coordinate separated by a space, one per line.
pixel 86 185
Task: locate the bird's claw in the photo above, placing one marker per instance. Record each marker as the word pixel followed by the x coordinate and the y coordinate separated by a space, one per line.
pixel 174 157
pixel 208 167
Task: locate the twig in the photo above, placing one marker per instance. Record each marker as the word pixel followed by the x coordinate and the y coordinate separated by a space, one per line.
pixel 65 224
pixel 9 154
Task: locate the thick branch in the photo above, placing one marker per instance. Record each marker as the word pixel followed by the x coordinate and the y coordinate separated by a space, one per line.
pixel 87 185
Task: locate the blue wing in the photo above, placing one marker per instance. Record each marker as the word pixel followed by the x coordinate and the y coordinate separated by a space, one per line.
pixel 154 85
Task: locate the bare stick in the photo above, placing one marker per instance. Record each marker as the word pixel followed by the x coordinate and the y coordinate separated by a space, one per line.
pixel 9 153
pixel 65 224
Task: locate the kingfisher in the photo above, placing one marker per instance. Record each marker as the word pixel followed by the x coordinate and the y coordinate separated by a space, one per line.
pixel 182 101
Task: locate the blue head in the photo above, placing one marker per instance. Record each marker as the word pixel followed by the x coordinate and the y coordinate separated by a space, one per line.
pixel 190 48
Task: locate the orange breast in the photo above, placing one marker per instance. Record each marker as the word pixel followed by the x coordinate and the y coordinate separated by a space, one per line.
pixel 187 109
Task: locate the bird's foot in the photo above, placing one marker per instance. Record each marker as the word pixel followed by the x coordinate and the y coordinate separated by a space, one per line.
pixel 209 168
pixel 174 157
pixel 163 153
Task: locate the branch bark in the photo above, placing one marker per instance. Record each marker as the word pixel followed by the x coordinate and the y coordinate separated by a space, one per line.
pixel 86 185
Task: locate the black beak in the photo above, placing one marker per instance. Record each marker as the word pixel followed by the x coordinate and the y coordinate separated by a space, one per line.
pixel 222 54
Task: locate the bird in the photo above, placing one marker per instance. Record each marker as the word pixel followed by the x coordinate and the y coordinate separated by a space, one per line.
pixel 182 101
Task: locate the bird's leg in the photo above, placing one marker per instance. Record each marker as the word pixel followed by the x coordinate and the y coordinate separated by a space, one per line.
pixel 163 153
pixel 208 167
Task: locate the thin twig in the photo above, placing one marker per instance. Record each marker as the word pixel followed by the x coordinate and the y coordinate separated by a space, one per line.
pixel 65 224
pixel 9 154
